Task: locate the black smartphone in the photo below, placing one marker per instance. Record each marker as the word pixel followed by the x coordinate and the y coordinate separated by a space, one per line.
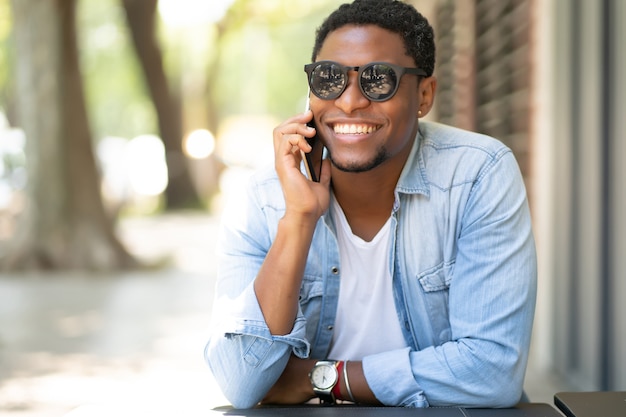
pixel 313 159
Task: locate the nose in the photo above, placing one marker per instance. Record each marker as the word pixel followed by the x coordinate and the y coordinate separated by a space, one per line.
pixel 352 98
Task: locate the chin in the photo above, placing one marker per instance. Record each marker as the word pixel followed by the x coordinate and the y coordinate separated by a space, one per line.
pixel 356 166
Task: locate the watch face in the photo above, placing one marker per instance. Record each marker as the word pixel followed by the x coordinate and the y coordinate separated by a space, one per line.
pixel 324 376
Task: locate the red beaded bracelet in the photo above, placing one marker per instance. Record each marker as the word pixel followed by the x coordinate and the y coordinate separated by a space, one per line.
pixel 336 389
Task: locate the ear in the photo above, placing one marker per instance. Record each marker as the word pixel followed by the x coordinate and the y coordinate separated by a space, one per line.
pixel 427 89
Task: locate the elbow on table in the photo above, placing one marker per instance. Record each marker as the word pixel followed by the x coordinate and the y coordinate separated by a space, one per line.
pixel 501 396
pixel 240 401
pixel 499 391
pixel 500 385
pixel 507 399
pixel 241 395
pixel 243 384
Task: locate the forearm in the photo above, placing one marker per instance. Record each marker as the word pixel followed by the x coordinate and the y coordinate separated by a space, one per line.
pixel 279 279
pixel 294 386
pixel 454 374
pixel 359 390
pixel 277 285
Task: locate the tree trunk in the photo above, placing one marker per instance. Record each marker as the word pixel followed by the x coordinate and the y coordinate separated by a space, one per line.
pixel 141 17
pixel 64 224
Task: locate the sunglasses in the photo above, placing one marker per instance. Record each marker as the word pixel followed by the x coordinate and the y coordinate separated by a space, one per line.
pixel 378 81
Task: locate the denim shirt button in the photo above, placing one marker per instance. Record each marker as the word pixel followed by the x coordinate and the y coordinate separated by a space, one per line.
pixel 330 327
pixel 334 270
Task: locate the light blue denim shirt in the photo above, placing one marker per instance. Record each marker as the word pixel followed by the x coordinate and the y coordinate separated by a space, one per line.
pixel 464 274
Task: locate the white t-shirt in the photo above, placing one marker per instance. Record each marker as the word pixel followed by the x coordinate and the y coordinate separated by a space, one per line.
pixel 367 322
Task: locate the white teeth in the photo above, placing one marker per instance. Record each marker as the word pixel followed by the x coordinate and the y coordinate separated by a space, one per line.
pixel 354 129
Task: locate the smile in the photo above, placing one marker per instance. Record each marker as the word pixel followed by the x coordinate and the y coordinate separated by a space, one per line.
pixel 352 129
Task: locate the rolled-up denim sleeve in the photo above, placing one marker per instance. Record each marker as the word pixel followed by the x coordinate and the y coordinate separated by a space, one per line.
pixel 389 375
pixel 244 357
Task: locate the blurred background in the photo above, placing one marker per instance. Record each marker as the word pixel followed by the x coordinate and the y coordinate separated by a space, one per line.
pixel 125 123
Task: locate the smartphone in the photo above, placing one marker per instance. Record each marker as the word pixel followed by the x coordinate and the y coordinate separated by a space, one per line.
pixel 313 159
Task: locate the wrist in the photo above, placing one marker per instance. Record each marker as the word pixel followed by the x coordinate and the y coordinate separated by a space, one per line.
pixel 324 377
pixel 299 221
pixel 346 382
pixel 342 389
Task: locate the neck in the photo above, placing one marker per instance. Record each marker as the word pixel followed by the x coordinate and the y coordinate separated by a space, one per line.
pixel 366 198
pixel 364 191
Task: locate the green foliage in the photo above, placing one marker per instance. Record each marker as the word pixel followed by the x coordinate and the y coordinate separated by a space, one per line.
pixel 262 54
pixel 115 90
pixel 251 61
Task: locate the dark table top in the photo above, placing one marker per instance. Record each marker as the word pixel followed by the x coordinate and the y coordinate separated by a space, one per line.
pixel 522 410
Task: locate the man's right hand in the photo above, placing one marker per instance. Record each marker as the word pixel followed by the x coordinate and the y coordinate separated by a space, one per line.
pixel 302 197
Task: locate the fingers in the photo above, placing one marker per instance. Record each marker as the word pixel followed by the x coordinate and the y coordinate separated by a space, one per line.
pixel 290 139
pixel 295 143
pixel 293 133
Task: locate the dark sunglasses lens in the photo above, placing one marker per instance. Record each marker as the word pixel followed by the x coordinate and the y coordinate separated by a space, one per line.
pixel 379 82
pixel 327 81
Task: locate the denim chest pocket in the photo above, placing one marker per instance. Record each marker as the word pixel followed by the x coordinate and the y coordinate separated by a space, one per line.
pixel 311 287
pixel 435 285
pixel 311 292
pixel 435 281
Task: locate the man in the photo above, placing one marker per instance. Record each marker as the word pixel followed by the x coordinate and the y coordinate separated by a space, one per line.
pixel 407 275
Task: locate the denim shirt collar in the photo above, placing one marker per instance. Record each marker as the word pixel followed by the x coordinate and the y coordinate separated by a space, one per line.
pixel 413 179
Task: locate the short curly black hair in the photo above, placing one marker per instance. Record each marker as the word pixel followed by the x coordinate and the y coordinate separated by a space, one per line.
pixel 393 15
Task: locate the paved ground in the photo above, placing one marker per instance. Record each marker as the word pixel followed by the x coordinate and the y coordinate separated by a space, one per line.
pixel 114 344
pixel 127 344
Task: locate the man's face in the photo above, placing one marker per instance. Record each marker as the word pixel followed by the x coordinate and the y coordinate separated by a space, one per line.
pixel 361 134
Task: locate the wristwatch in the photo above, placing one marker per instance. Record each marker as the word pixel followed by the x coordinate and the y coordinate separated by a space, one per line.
pixel 324 377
